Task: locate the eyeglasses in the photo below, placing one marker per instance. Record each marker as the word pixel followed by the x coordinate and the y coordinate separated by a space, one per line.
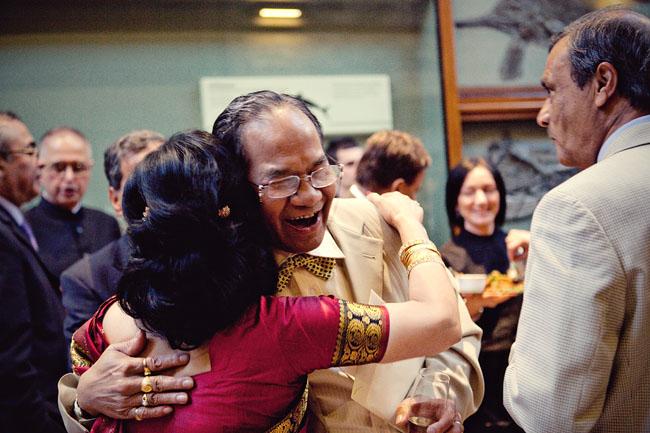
pixel 61 167
pixel 29 150
pixel 287 186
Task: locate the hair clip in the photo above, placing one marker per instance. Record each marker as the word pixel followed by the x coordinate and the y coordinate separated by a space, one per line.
pixel 224 212
pixel 145 214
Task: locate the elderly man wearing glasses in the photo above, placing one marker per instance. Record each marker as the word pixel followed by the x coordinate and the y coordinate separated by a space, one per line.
pixel 65 230
pixel 32 349
pixel 323 246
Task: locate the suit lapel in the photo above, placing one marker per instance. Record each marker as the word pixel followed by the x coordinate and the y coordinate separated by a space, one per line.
pixel 363 260
pixel 18 234
pixel 11 225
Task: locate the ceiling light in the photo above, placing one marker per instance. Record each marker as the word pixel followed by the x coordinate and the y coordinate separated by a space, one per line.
pixel 280 13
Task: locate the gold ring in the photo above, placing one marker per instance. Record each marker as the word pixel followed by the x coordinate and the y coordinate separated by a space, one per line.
pixel 147 371
pixel 139 411
pixel 146 385
pixel 146 399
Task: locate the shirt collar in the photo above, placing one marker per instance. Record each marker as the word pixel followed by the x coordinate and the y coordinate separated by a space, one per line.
pixel 357 191
pixel 13 210
pixel 327 248
pixel 73 211
pixel 612 138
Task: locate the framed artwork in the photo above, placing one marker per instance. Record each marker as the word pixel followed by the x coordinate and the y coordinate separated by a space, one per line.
pixel 493 53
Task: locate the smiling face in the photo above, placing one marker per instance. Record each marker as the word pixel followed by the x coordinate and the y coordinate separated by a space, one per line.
pixel 283 142
pixel 569 113
pixel 478 201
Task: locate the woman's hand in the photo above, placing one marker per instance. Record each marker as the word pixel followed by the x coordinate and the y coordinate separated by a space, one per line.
pixel 397 209
pixel 517 243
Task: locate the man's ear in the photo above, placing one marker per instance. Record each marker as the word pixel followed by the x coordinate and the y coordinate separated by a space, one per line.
pixel 115 198
pixel 606 79
pixel 398 185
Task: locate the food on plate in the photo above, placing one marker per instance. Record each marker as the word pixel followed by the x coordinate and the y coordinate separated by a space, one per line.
pixel 498 285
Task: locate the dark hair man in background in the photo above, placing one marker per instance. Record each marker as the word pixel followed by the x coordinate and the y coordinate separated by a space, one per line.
pixel 347 152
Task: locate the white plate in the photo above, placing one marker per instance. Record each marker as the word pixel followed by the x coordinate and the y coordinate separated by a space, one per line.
pixel 471 283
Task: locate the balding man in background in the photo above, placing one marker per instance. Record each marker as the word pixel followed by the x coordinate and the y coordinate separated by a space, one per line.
pixel 32 349
pixel 64 229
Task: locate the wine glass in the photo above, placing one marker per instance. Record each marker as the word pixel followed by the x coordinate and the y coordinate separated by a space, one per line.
pixel 429 395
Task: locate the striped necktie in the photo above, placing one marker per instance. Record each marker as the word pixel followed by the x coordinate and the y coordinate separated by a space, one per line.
pixel 319 266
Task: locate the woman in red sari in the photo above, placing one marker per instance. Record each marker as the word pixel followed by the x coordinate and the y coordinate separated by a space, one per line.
pixel 202 278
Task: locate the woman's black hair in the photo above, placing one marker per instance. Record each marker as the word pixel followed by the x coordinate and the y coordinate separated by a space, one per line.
pixel 455 182
pixel 194 270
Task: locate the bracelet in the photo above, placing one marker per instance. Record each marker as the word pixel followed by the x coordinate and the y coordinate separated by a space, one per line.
pixel 81 414
pixel 409 248
pixel 422 256
pixel 407 256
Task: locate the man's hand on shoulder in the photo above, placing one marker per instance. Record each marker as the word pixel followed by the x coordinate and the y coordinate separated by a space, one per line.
pixel 113 385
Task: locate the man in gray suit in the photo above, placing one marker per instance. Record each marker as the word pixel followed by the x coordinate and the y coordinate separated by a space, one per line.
pixel 581 356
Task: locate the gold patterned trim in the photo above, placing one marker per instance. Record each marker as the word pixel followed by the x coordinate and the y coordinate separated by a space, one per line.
pixel 292 422
pixel 362 334
pixel 79 356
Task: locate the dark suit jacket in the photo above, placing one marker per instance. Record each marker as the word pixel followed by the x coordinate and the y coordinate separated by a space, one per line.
pixel 64 237
pixel 90 281
pixel 32 348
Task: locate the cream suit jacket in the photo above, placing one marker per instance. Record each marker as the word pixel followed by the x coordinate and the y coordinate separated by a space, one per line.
pixel 372 265
pixel 581 358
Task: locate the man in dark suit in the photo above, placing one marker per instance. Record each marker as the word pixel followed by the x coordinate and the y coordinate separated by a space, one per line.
pixel 32 348
pixel 65 230
pixel 94 278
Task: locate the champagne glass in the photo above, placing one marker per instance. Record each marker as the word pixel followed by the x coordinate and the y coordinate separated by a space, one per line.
pixel 429 395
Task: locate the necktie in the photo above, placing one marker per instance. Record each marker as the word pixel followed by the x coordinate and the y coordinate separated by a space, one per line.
pixel 29 233
pixel 319 266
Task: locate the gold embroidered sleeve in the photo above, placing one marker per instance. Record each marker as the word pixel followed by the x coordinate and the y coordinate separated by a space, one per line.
pixel 79 356
pixel 362 335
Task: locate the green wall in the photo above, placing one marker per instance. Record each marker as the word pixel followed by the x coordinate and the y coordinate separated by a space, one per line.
pixel 106 84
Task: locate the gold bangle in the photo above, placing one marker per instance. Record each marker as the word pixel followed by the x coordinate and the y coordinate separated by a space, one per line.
pixel 415 244
pixel 429 258
pixel 420 257
pixel 405 256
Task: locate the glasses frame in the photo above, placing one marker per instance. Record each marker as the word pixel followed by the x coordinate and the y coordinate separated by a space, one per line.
pixel 306 177
pixel 29 150
pixel 85 168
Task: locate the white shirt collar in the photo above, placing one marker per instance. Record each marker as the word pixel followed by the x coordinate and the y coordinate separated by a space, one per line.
pixel 612 138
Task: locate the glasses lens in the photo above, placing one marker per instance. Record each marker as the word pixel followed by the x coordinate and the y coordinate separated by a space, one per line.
pixel 62 166
pixel 283 187
pixel 325 176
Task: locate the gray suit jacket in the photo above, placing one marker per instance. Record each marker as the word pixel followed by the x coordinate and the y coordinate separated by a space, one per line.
pixel 581 357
